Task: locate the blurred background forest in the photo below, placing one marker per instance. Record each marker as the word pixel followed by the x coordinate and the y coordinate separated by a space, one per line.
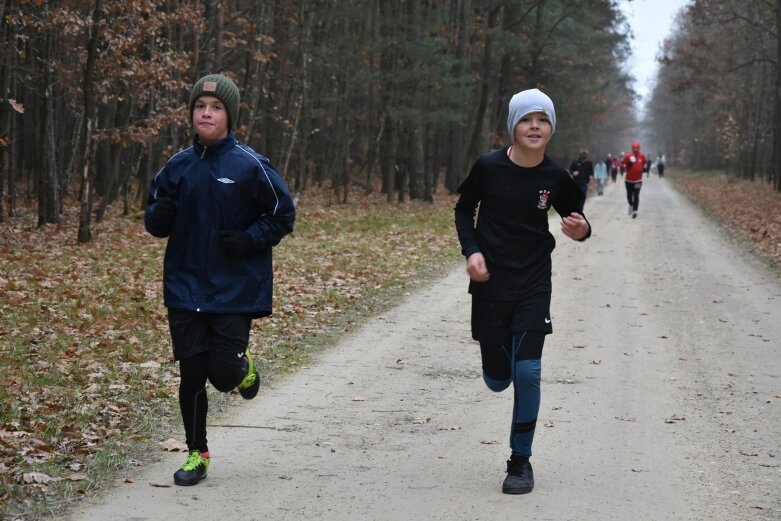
pixel 392 95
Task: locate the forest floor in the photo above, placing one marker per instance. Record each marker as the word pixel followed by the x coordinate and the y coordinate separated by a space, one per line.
pixel 74 418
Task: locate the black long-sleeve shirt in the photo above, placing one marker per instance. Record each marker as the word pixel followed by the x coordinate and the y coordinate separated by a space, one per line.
pixel 512 224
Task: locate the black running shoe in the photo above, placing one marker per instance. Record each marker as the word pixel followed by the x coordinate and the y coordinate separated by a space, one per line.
pixel 520 477
pixel 193 470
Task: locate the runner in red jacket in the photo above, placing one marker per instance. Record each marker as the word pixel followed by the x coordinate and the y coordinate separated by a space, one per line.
pixel 635 164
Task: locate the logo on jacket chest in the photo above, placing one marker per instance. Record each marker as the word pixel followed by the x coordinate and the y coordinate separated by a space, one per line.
pixel 542 202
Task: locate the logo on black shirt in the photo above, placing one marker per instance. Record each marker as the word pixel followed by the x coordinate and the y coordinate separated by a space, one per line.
pixel 542 204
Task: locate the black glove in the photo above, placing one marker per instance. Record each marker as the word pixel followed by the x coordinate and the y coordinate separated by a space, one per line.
pixel 236 244
pixel 165 208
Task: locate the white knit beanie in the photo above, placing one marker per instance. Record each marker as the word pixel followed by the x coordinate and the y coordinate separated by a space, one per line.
pixel 527 102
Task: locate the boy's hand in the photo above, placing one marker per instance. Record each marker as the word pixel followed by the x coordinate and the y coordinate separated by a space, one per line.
pixel 475 266
pixel 165 208
pixel 236 244
pixel 575 226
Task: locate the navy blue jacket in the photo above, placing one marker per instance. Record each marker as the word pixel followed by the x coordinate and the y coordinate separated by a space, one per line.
pixel 223 187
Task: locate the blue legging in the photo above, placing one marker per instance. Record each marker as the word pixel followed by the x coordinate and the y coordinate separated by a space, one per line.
pixel 521 365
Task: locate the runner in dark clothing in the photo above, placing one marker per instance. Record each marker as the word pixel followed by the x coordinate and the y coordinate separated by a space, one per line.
pixel 508 251
pixel 222 208
pixel 582 170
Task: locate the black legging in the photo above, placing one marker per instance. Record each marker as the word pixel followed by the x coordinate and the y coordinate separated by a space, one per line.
pixel 193 401
pixel 633 194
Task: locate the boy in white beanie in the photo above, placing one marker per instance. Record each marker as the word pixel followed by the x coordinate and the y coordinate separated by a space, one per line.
pixel 222 207
pixel 508 259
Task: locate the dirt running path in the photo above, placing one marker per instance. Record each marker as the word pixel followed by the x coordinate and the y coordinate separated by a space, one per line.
pixel 661 398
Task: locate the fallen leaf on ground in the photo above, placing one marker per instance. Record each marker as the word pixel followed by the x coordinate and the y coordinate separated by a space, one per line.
pixel 173 445
pixel 38 477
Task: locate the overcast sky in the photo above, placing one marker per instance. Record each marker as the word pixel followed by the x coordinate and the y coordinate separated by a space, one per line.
pixel 651 22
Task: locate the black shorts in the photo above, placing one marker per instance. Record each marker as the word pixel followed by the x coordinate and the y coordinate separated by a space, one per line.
pixel 224 337
pixel 495 321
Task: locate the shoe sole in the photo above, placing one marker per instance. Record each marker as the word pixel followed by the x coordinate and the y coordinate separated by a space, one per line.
pixel 188 483
pixel 252 391
pixel 523 490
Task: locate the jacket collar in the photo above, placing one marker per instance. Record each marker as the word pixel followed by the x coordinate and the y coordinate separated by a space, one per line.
pixel 217 149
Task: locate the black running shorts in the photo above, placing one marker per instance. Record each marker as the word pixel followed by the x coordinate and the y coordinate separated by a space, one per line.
pixel 224 337
pixel 495 321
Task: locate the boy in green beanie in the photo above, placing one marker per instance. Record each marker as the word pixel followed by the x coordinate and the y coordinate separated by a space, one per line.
pixel 222 207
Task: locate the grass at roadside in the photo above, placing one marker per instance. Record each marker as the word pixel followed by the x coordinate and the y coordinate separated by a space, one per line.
pixel 89 385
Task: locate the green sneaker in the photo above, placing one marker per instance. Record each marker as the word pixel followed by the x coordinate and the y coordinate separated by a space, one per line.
pixel 193 470
pixel 248 388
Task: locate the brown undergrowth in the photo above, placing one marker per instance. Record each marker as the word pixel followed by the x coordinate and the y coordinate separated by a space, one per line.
pixel 751 210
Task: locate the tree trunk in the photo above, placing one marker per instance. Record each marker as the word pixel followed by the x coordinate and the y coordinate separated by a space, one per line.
pixel 416 160
pixel 90 115
pixel 218 37
pixel 776 161
pixel 374 121
pixel 388 158
pixel 6 112
pixel 389 97
pixel 263 19
pixel 477 140
pixel 415 163
pixel 303 70
pixel 455 158
pixel 49 210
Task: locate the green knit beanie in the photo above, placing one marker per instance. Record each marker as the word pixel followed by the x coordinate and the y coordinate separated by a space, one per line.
pixel 222 88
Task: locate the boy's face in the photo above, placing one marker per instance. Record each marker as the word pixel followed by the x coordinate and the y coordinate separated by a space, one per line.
pixel 210 119
pixel 533 132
